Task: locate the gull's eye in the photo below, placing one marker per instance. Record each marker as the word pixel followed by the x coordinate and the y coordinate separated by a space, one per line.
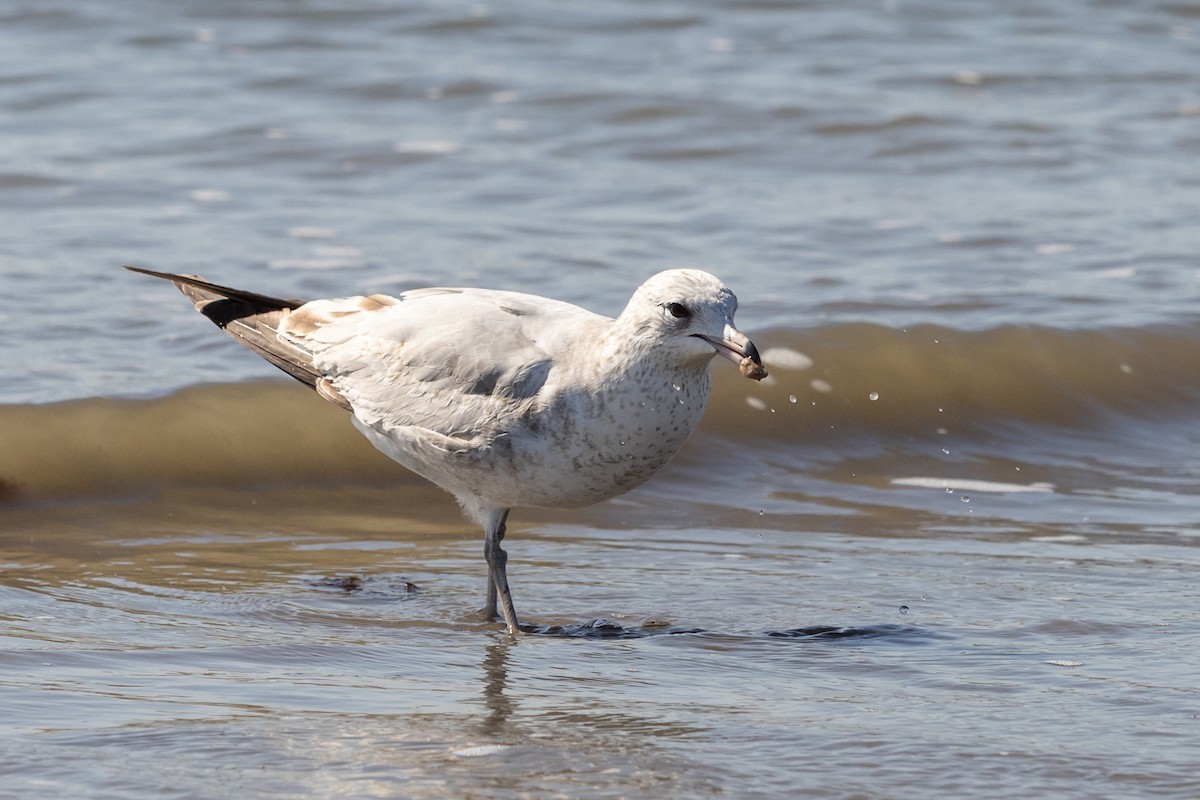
pixel 679 310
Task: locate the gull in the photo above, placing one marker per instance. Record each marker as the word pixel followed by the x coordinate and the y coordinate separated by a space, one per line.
pixel 501 398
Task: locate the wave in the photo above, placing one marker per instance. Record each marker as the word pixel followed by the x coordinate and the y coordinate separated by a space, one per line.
pixel 271 432
pixel 826 383
pixel 898 382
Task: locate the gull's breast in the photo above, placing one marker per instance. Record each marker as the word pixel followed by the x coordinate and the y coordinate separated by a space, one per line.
pixel 581 448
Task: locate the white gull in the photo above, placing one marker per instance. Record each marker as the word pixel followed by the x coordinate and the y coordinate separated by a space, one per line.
pixel 503 399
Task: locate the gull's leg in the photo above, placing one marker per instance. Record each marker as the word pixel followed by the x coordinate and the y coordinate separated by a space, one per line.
pixel 489 608
pixel 497 561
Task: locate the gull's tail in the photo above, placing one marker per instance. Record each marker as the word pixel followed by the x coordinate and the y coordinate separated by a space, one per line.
pixel 253 319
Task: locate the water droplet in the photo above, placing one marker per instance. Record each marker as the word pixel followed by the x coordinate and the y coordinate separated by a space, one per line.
pixel 873 396
pixel 965 499
pixel 761 512
pixel 677 387
pixel 903 609
pixel 949 490
pixel 944 450
pixel 791 398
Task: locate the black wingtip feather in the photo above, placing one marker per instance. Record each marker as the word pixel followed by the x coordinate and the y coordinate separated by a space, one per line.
pixel 261 302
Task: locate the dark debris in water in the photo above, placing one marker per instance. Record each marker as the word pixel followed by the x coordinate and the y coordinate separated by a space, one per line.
pixel 605 629
pixel 349 583
pixel 397 588
pixel 609 629
pixel 850 632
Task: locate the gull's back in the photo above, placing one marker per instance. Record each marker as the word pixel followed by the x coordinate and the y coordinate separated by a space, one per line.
pixel 457 362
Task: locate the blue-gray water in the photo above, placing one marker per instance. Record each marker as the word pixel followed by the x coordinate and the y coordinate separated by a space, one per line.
pixel 948 551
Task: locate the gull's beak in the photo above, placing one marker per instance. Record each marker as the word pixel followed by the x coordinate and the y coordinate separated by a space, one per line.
pixel 737 347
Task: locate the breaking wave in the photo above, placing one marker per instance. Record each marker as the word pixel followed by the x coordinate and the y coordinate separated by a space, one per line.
pixel 826 383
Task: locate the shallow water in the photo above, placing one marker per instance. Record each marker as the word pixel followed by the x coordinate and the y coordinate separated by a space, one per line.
pixel 949 549
pixel 205 640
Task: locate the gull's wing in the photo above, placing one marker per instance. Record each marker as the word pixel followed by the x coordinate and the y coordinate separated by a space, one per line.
pixel 441 360
pixel 433 361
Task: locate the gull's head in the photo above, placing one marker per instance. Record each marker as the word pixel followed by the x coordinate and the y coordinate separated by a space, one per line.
pixel 688 313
